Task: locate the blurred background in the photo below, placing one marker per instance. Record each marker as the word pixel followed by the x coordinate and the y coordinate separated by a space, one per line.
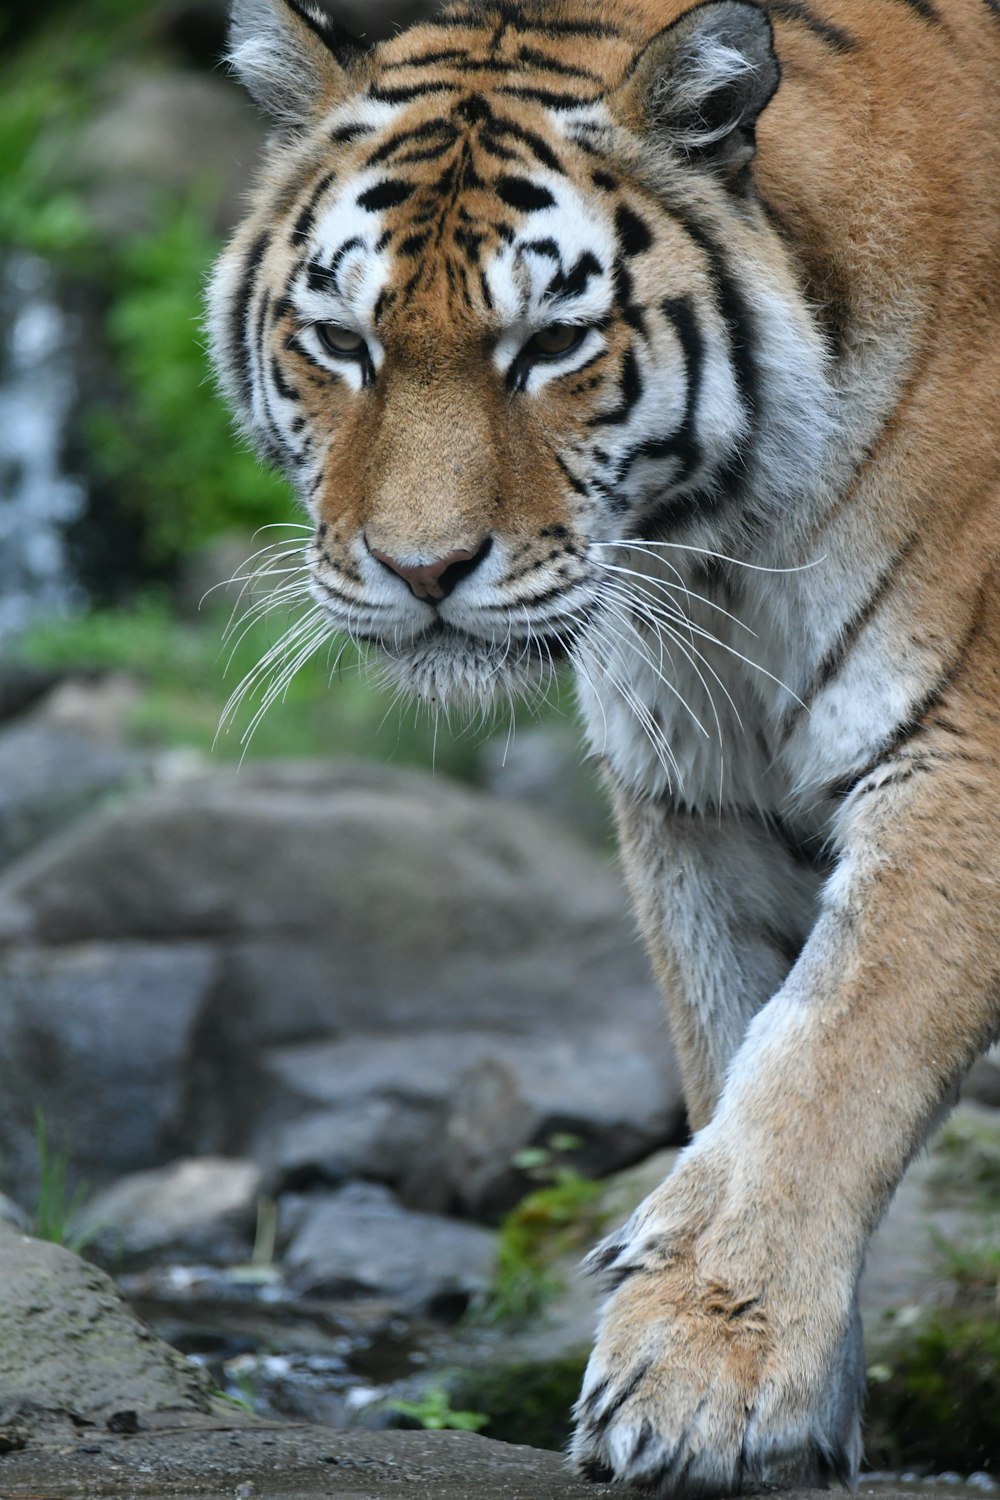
pixel 340 1060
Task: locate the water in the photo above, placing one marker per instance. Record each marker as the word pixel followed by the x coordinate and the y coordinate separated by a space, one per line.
pixel 38 500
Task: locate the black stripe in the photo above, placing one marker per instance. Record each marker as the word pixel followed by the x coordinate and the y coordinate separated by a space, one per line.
pixel 442 128
pixel 554 65
pixel 546 97
pixel 849 635
pixel 413 244
pixel 346 133
pixel 506 129
pixel 405 95
pixel 993 6
pixel 426 59
pixel 631 393
pixel 573 283
pixel 547 247
pixel 903 733
pixel 924 9
pixel 633 232
pixel 575 484
pixel 794 10
pixel 304 223
pixel 239 345
pixel 687 448
pixel 577 28
pixel 736 314
pixel 388 194
pixel 281 385
pixel 522 194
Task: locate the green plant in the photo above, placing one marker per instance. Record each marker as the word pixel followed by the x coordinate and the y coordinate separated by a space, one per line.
pixel 56 1208
pixel 544 1227
pixel 433 1411
pixel 167 442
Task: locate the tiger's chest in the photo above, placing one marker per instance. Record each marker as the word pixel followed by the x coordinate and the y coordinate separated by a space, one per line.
pixel 766 694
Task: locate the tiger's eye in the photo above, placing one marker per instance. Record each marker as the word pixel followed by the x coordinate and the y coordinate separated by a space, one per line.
pixel 339 340
pixel 558 338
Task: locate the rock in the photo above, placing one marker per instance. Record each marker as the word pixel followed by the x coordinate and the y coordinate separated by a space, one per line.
pixel 150 140
pixel 982 1085
pixel 440 1115
pixel 13 1214
pixel 336 941
pixel 359 1241
pixel 545 767
pixel 21 686
pixel 303 1462
pixel 616 1101
pixel 199 1211
pixel 69 1346
pixel 99 1038
pixel 48 777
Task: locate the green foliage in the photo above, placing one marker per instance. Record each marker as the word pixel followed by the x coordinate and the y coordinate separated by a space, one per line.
pixel 967 1159
pixel 183 667
pixel 169 446
pixel 526 1403
pixel 937 1401
pixel 161 435
pixel 433 1411
pixel 57 1208
pixel 46 89
pixel 548 1224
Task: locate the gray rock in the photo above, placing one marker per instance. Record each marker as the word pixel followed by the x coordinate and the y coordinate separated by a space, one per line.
pixel 545 767
pixel 300 1462
pixel 13 1214
pixel 360 1241
pixel 100 1039
pixel 982 1085
pixel 200 1210
pixel 48 777
pixel 376 1138
pixel 441 1115
pixel 70 1346
pixel 617 1097
pixel 151 139
pixel 340 941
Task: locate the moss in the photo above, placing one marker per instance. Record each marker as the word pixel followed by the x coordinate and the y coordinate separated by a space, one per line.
pixel 544 1227
pixel 935 1400
pixel 525 1403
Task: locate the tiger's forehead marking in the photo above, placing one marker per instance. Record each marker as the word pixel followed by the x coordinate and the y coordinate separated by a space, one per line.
pixel 481 207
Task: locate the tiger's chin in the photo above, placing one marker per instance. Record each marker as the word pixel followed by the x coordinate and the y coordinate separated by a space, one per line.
pixel 449 667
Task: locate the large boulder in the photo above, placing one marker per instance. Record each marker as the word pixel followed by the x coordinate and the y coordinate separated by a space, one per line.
pixel 70 1347
pixel 100 1041
pixel 369 953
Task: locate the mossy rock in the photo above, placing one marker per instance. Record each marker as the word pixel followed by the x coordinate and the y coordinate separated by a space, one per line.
pixel 935 1402
pixel 526 1403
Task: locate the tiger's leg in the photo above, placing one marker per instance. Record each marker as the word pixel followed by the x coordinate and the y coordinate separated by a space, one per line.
pixel 723 1360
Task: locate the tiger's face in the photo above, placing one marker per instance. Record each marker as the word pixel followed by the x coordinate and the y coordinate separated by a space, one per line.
pixel 494 319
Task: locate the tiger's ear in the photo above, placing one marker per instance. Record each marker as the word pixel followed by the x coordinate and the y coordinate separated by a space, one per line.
pixel 295 61
pixel 703 81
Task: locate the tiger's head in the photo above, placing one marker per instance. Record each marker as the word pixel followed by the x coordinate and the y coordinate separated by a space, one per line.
pixel 506 300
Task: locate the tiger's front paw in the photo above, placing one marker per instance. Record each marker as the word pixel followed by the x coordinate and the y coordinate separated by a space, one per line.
pixel 696 1388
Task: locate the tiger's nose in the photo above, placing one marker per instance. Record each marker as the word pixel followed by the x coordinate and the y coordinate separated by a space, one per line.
pixel 435 581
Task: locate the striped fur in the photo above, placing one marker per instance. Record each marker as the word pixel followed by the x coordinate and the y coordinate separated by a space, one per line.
pixel 664 338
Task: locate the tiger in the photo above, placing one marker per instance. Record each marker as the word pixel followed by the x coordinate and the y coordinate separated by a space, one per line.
pixel 662 339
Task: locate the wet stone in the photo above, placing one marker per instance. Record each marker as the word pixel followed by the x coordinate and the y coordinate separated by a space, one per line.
pixel 360 1241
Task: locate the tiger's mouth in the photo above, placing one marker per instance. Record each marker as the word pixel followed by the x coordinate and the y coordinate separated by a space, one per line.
pixel 446 664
